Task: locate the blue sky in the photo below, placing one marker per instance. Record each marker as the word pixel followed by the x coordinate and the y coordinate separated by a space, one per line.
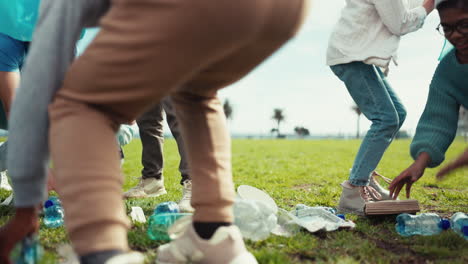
pixel 297 80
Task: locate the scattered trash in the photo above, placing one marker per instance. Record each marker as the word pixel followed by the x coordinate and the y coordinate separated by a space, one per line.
pixel 257 215
pixel 28 251
pixel 138 215
pixel 53 213
pixel 254 218
pixel 167 207
pixel 159 224
pixel 318 218
pixel 459 223
pixel 424 224
pixel 164 216
pixel 247 192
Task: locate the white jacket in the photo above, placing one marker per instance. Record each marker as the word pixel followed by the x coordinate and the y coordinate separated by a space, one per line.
pixel 370 30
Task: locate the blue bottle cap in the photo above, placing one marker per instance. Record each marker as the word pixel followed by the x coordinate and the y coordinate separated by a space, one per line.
pixel 444 224
pixel 342 216
pixel 465 231
pixel 48 203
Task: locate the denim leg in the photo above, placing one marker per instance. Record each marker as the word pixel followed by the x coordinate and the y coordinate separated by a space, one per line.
pixel 151 129
pixel 401 110
pixel 368 89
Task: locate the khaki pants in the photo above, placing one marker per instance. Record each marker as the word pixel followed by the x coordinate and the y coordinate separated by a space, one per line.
pixel 148 49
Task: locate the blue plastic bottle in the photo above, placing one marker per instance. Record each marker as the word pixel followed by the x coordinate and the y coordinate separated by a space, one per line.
pixel 167 207
pixel 53 200
pixel 53 213
pixel 164 216
pixel 424 224
pixel 28 251
pixel 459 222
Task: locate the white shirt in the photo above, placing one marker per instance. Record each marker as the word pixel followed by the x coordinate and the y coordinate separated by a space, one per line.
pixel 370 30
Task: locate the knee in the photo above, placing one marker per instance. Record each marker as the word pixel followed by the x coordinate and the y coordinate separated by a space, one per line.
pixel 389 125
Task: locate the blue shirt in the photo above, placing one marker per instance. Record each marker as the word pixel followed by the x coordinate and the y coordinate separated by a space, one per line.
pixel 18 18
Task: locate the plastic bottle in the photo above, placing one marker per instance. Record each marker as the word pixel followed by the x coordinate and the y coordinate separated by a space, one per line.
pixel 459 223
pixel 167 207
pixel 28 251
pixel 164 216
pixel 159 224
pixel 53 213
pixel 424 224
pixel 53 200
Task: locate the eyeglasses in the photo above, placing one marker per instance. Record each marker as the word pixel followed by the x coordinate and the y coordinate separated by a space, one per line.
pixel 447 30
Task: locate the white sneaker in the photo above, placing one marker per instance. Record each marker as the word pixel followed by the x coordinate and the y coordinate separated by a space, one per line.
pixel 384 193
pixel 4 184
pixel 184 203
pixel 354 198
pixel 127 258
pixel 225 246
pixel 150 187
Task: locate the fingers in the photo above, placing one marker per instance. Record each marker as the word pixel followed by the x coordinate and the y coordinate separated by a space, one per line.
pixel 408 189
pixel 397 190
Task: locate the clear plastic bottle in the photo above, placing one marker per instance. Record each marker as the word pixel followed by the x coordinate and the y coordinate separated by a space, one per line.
pixel 159 224
pixel 424 224
pixel 53 214
pixel 167 207
pixel 28 251
pixel 459 223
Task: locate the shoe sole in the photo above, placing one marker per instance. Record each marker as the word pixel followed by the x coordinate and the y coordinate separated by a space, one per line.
pixel 245 258
pixel 159 193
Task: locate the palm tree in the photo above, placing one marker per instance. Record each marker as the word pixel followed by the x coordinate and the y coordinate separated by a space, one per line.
pixel 301 131
pixel 358 112
pixel 227 107
pixel 279 117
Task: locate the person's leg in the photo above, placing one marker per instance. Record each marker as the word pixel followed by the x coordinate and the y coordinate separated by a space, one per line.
pixel 151 184
pixel 175 130
pixel 401 111
pixel 118 78
pixel 185 181
pixel 370 93
pixel 12 54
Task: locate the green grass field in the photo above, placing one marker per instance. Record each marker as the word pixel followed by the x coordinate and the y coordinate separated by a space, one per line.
pixel 309 172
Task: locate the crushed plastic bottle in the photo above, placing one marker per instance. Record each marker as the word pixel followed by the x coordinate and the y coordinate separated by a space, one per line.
pixel 53 213
pixel 255 219
pixel 424 224
pixel 329 209
pixel 317 218
pixel 28 251
pixel 459 224
pixel 159 224
pixel 167 207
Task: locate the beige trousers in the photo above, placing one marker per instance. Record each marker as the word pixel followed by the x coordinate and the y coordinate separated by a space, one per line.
pixel 148 49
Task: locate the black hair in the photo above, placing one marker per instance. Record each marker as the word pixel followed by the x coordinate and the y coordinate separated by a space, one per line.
pixel 460 4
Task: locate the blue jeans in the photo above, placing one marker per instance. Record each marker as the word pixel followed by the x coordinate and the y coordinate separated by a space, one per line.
pixel 378 102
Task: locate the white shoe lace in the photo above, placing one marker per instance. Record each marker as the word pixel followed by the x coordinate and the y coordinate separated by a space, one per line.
pixel 385 179
pixel 368 193
pixel 187 190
